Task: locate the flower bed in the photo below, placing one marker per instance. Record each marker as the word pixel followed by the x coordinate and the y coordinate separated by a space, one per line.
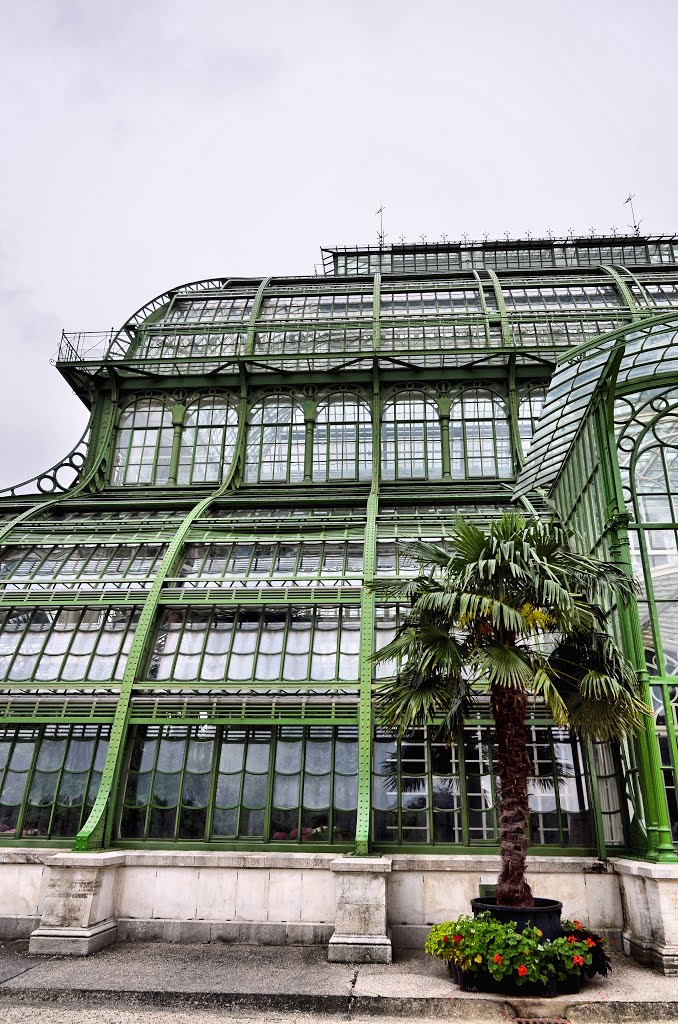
pixel 484 954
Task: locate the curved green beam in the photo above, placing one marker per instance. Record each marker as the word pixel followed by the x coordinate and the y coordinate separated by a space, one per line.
pixel 483 307
pixel 96 832
pixel 254 316
pixel 501 306
pixel 624 292
pixel 104 430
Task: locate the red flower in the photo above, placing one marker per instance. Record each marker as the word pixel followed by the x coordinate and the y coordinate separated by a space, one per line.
pixel 571 938
pixel 577 924
pixel 590 943
pixel 457 939
pixel 578 960
pixel 444 938
pixel 498 958
pixel 522 970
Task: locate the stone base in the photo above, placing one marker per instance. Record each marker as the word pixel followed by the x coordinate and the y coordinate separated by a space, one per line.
pixel 259 933
pixel 651 953
pixel 360 949
pixel 73 941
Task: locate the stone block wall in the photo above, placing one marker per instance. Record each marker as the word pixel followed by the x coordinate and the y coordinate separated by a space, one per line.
pixel 70 902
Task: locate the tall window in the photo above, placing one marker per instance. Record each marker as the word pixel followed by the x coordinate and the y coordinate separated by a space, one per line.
pixel 529 412
pixel 480 441
pixel 207 441
pixel 288 783
pixel 143 446
pixel 275 441
pixel 647 430
pixel 49 777
pixel 342 440
pixel 410 439
pixel 65 644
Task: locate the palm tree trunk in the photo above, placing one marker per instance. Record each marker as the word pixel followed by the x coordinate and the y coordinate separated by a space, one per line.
pixel 509 708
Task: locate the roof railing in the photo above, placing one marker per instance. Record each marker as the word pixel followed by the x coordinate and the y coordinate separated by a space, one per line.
pixel 91 346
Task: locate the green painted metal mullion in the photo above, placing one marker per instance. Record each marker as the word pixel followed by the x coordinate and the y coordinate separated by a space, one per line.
pixel 514 415
pixel 367 611
pixel 97 830
pixel 651 602
pixel 214 779
pixel 463 788
pixel 30 772
pixel 594 799
pixel 660 844
pixel 182 781
pixel 60 775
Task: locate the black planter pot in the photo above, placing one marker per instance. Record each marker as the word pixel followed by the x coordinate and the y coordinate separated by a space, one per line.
pixel 545 914
pixel 482 981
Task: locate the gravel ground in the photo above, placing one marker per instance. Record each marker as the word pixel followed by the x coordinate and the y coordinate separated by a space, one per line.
pixel 142 1015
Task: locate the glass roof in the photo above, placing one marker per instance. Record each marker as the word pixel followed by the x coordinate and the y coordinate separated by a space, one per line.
pixel 626 358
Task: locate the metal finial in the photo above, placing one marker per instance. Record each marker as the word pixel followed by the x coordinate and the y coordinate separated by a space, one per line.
pixel 613 229
pixel 550 234
pixel 486 236
pixel 464 237
pixel 636 223
pixel 423 238
pixel 506 235
pixel 528 235
pixel 380 234
pixel 592 232
pixel 443 237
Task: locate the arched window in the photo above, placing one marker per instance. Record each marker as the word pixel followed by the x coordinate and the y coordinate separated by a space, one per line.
pixel 207 441
pixel 529 411
pixel 342 440
pixel 410 439
pixel 480 440
pixel 143 446
pixel 275 441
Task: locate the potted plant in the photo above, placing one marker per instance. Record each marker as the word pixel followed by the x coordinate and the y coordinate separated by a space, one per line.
pixel 515 610
pixel 484 954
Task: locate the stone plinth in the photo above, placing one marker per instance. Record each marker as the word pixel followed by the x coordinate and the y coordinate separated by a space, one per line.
pixel 79 908
pixel 360 934
pixel 650 898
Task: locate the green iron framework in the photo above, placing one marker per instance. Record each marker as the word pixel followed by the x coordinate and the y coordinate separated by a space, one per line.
pixel 186 634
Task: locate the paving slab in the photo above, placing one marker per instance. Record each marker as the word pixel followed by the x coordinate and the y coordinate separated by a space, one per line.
pixel 299 979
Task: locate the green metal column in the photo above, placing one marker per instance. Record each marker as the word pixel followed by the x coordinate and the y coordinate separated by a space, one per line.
pixel 310 407
pixel 367 604
pixel 178 416
pixel 367 607
pixel 444 404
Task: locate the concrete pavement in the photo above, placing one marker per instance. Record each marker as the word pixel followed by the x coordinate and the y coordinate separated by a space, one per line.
pixel 157 981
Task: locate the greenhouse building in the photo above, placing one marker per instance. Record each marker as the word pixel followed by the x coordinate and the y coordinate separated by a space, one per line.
pixel 188 747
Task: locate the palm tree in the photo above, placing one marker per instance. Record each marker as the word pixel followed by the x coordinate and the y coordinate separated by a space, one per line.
pixel 517 609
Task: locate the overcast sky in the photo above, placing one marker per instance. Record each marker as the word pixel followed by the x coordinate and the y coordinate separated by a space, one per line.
pixel 146 143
